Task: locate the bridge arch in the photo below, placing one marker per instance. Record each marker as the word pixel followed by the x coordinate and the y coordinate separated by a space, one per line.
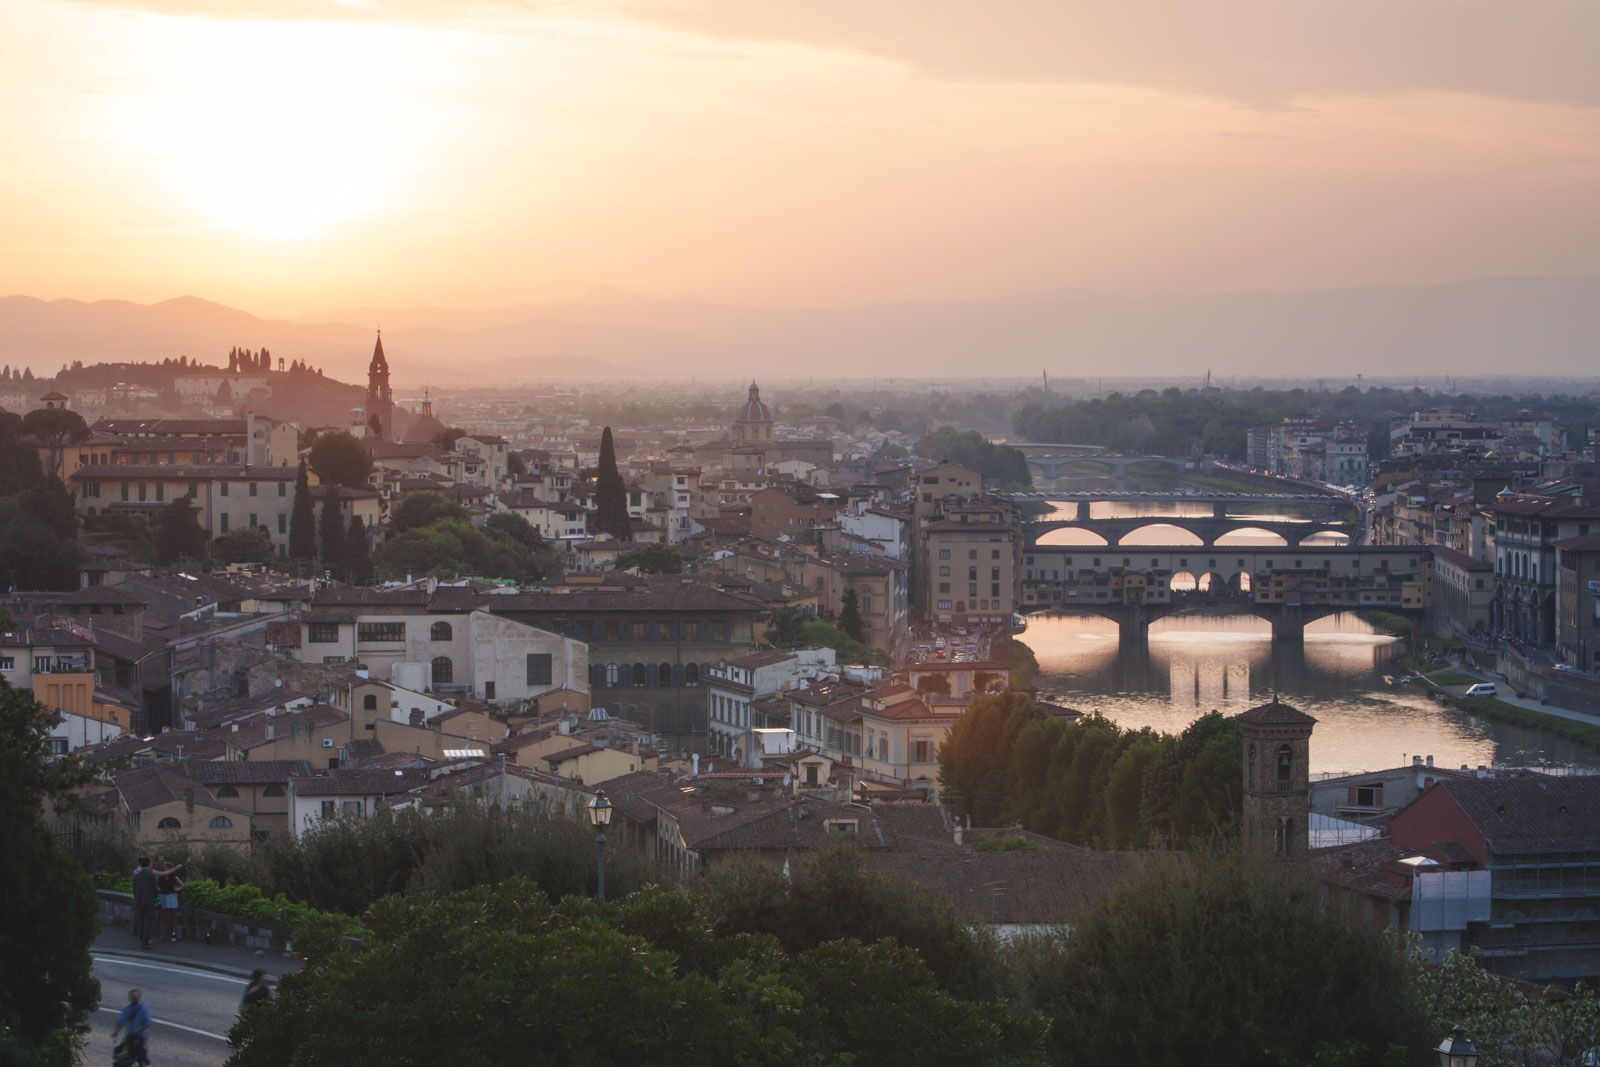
pixel 1251 536
pixel 1183 582
pixel 1069 534
pixel 1160 531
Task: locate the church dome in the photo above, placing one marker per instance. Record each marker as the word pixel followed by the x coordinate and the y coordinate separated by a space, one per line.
pixel 754 410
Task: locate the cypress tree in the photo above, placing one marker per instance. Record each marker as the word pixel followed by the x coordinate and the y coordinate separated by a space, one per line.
pixel 611 496
pixel 332 535
pixel 357 553
pixel 302 522
pixel 850 615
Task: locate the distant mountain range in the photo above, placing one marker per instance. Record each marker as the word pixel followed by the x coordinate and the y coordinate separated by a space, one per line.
pixel 1490 326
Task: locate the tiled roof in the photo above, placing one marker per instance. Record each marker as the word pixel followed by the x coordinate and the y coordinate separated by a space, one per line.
pixel 1526 813
pixel 253 732
pixel 247 772
pixel 362 596
pixel 359 781
pixel 247 706
pixel 1459 559
pixel 184 472
pixel 1275 714
pixel 1365 866
pixel 1585 543
pixel 761 659
pixel 684 597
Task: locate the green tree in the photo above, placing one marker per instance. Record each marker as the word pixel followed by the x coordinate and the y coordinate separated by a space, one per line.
pixel 52 914
pixel 340 459
pixel 1223 958
pixel 357 550
pixel 54 429
pixel 642 980
pixel 611 495
pixel 515 467
pixel 850 615
pixel 302 519
pixel 1511 1024
pixel 416 510
pixel 248 544
pixel 331 535
pixel 446 439
pixel 975 758
pixel 179 534
pixel 224 394
pixel 19 459
pixel 52 504
pixel 651 559
pixel 1001 465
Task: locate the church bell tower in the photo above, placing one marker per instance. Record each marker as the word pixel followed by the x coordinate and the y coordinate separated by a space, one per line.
pixel 1277 783
pixel 380 400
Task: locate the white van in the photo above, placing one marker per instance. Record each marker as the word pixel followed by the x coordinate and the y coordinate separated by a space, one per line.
pixel 1482 689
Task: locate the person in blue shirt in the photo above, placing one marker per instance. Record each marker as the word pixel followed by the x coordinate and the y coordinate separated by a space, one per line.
pixel 135 1018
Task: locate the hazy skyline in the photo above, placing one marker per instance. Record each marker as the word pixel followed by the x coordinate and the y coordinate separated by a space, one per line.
pixel 299 156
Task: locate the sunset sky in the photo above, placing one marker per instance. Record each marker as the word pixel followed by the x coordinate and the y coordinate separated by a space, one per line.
pixel 291 156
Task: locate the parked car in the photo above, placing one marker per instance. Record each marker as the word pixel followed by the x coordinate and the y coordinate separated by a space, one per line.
pixel 1481 689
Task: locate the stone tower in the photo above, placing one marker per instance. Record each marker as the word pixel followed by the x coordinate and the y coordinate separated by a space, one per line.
pixel 380 401
pixel 753 424
pixel 1277 786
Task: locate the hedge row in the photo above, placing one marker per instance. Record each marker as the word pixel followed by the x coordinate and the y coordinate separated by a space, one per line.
pixel 241 902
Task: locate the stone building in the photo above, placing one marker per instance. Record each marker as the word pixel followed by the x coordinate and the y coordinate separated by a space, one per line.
pixel 1277 791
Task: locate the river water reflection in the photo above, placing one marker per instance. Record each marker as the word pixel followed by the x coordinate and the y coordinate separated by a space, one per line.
pixel 1197 663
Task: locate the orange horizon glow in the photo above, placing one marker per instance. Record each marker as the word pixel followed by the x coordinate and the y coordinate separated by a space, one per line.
pixel 316 155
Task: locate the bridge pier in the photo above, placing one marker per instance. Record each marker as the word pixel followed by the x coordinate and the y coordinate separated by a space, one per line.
pixel 1085 507
pixel 1289 626
pixel 1133 628
pixel 1219 510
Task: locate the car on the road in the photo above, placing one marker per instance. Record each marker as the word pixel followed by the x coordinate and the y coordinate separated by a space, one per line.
pixel 1481 689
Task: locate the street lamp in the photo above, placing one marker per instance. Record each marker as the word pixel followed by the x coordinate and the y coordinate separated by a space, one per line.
pixel 1457 1051
pixel 600 816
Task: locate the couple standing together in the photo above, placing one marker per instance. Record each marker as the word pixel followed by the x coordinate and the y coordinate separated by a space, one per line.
pixel 155 893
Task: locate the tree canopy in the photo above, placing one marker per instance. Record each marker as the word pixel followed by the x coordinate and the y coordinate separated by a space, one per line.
pixel 416 510
pixel 52 914
pixel 650 559
pixel 179 534
pixel 611 495
pixel 1002 466
pixel 340 459
pixel 248 544
pixel 302 519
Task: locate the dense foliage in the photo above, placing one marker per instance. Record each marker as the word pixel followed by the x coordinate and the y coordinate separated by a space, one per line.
pixel 302 519
pixel 1002 466
pixel 793 628
pixel 340 459
pixel 1222 958
pixel 502 976
pixel 248 544
pixel 417 510
pixel 650 559
pixel 450 548
pixel 51 914
pixel 178 532
pixel 240 900
pixel 1091 782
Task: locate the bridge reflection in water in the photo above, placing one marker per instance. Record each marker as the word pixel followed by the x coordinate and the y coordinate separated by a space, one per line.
pixel 1193 664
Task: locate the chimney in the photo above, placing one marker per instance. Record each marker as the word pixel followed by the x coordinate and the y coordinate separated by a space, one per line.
pixel 277 683
pixel 361 670
pixel 188 799
pixel 1347 861
pixel 1430 761
pixel 272 730
pixel 694 762
pixel 961 836
pixel 1416 761
pixel 1483 772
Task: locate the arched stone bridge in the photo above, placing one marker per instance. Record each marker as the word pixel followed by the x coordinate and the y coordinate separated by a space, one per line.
pixel 1209 529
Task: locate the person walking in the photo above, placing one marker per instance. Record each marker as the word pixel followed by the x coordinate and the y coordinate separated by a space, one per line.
pixel 259 991
pixel 144 902
pixel 135 1018
pixel 167 885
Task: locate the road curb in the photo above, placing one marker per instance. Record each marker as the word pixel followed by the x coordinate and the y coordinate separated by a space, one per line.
pixel 178 961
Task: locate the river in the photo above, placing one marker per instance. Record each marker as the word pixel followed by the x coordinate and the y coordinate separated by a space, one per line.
pixel 1197 663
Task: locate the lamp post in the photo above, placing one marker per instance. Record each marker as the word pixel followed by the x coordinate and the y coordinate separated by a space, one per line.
pixel 600 816
pixel 1457 1051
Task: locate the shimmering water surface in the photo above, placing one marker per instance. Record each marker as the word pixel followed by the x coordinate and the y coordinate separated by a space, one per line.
pixel 1197 663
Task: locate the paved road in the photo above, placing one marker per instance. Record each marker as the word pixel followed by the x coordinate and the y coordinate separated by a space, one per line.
pixel 193 1010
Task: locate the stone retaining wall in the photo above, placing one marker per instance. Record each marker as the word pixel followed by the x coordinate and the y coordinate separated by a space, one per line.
pixel 116 909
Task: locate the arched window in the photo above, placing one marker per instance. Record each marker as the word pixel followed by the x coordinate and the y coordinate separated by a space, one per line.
pixel 691 674
pixel 611 674
pixel 597 632
pixel 1285 765
pixel 638 674
pixel 227 792
pixel 664 676
pixel 221 822
pixel 883 748
pixel 443 670
pixel 369 703
pixel 272 791
pixel 440 631
pixel 169 823
pixel 597 675
pixel 1284 845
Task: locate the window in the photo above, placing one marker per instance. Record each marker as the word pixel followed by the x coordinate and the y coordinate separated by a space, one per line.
pixel 169 823
pixel 1369 796
pixel 322 633
pixel 1285 765
pixel 161 490
pixel 811 774
pixel 944 553
pixel 283 523
pixel 488 690
pixel 638 674
pixel 329 809
pixel 8 663
pixel 283 488
pixel 221 822
pixel 381 631
pixel 440 631
pixel 922 751
pixel 272 791
pixel 253 522
pixel 944 572
pixel 539 664
pixel 443 670
pixel 224 488
pixel 691 674
pixel 369 702
pixel 222 520
pixel 611 674
pixel 227 792
pixel 664 675
pixel 252 488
